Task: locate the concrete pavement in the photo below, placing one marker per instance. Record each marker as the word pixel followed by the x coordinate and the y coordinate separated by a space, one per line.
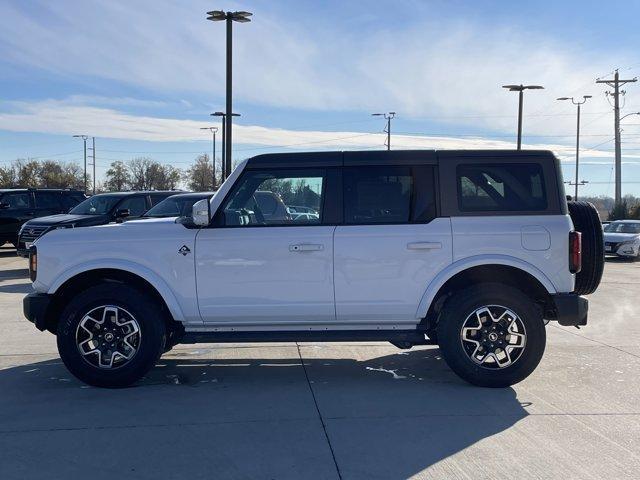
pixel 351 411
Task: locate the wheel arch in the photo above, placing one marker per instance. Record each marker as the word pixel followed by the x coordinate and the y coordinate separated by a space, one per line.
pixel 77 280
pixel 508 271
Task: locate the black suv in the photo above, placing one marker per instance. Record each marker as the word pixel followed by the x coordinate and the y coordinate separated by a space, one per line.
pixel 18 205
pixel 97 210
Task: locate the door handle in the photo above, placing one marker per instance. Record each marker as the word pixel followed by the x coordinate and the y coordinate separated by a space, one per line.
pixel 306 247
pixel 424 245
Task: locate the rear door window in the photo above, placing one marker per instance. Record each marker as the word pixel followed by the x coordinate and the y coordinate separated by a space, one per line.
pixel 48 200
pixel 388 195
pixel 16 200
pixel 136 205
pixel 515 187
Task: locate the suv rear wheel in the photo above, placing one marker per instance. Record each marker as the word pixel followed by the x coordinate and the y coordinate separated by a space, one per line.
pixel 491 335
pixel 111 335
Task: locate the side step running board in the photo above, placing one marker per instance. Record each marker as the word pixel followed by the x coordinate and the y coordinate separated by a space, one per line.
pixel 402 337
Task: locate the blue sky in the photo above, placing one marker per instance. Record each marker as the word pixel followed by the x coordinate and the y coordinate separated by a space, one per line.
pixel 143 77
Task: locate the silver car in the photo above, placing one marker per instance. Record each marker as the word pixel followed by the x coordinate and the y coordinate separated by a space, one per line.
pixel 622 238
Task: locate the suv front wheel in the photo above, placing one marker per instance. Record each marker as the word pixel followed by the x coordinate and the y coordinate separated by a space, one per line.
pixel 111 335
pixel 491 335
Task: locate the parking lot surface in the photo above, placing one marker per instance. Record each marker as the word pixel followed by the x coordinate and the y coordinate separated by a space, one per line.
pixel 307 411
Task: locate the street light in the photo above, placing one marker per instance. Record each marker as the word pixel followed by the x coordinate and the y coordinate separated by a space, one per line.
pixel 579 103
pixel 226 168
pixel 229 17
pixel 387 116
pixel 628 114
pixel 84 139
pixel 520 89
pixel 213 130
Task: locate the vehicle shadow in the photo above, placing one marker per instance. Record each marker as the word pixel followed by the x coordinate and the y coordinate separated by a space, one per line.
pixel 611 259
pixel 7 252
pixel 16 288
pixel 14 274
pixel 241 417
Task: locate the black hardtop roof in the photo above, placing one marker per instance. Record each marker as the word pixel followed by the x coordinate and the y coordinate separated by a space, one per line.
pixel 368 157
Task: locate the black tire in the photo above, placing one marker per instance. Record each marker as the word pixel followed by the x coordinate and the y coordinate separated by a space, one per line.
pixel 461 305
pixel 586 221
pixel 141 306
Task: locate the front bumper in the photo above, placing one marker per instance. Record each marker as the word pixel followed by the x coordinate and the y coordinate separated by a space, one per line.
pixel 570 309
pixel 35 306
pixel 628 250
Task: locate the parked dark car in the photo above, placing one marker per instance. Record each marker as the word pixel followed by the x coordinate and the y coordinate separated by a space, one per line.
pixel 97 210
pixel 178 205
pixel 19 205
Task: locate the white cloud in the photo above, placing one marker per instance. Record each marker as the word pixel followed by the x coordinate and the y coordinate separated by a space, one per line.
pixel 70 117
pixel 429 68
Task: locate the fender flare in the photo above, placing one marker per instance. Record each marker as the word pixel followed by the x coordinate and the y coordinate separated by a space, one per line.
pixel 155 280
pixel 475 261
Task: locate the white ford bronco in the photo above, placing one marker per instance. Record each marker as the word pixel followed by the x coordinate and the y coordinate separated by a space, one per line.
pixel 474 251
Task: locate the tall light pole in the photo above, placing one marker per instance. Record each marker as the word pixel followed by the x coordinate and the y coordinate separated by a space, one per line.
pixel 520 89
pixel 213 131
pixel 229 17
pixel 578 103
pixel 226 160
pixel 84 139
pixel 387 116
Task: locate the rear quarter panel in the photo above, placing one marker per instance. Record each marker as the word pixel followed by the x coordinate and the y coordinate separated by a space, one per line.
pixel 541 242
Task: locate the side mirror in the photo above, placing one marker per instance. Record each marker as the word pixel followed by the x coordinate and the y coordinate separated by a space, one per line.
pixel 201 213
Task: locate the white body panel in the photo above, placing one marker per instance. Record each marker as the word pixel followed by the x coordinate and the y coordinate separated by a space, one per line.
pixel 538 243
pixel 248 277
pixel 146 248
pixel 381 271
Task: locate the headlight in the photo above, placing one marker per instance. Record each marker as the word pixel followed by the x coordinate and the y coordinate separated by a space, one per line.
pixel 62 227
pixel 635 241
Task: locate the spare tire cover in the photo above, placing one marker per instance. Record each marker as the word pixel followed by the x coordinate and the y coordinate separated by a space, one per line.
pixel 586 221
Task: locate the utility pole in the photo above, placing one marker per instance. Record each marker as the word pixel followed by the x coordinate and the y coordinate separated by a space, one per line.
pixel 226 160
pixel 579 104
pixel 84 140
pixel 388 116
pixel 520 89
pixel 213 131
pixel 93 150
pixel 616 83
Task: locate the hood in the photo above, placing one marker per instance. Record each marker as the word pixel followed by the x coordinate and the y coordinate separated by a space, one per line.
pixel 620 237
pixel 67 218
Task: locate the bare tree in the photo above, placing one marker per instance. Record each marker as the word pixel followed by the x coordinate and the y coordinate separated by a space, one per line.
pixel 199 177
pixel 27 173
pixel 118 177
pixel 139 169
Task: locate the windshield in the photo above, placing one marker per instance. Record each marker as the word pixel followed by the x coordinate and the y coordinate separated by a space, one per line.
pixel 96 205
pixel 173 207
pixel 622 227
